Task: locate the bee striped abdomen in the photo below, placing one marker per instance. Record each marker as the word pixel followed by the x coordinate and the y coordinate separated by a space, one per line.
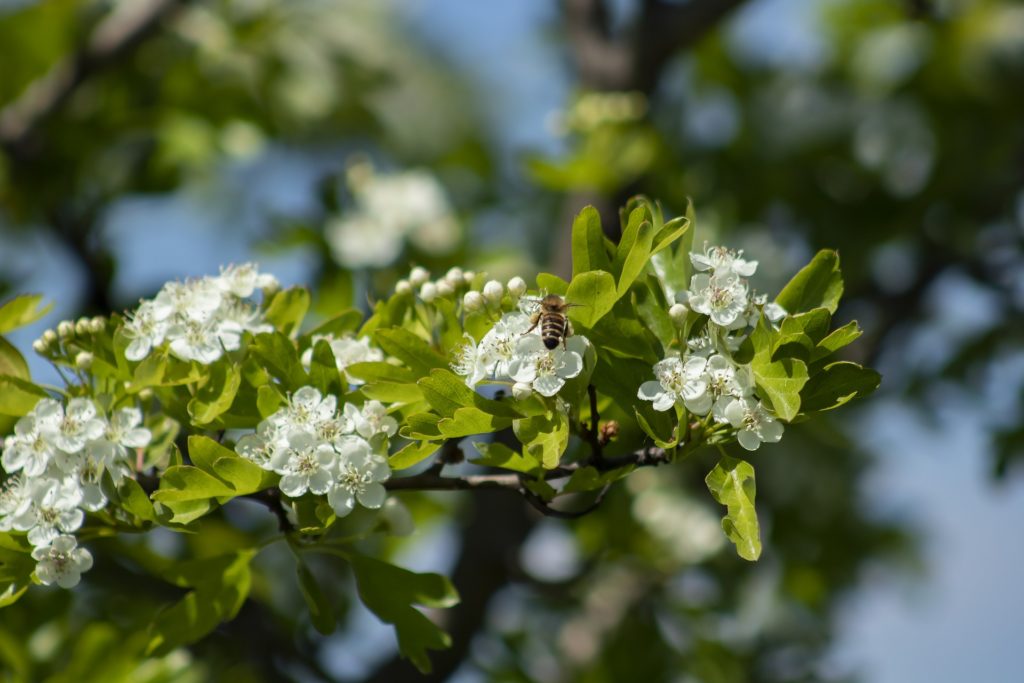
pixel 553 329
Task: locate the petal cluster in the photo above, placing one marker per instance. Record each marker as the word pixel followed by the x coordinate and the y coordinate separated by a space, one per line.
pixel 347 351
pixel 510 351
pixel 55 463
pixel 319 449
pixel 199 319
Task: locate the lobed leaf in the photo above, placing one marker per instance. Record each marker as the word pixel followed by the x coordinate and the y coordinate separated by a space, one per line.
pixel 732 484
pixel 818 284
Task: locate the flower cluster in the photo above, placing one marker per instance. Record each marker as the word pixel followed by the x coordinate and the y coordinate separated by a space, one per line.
pixel 55 463
pixel 347 351
pixel 317 449
pixel 200 319
pixel 513 352
pixel 705 379
pixel 388 209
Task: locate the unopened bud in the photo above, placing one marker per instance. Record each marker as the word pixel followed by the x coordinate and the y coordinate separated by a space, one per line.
pixel 428 292
pixel 473 301
pixel 40 346
pixel 403 287
pixel 521 391
pixel 97 324
pixel 494 291
pixel 418 276
pixel 517 287
pixel 83 360
pixel 445 288
pixel 454 276
pixel 678 313
pixel 49 336
pixel 609 430
pixel 468 277
pixel 65 329
pixel 83 326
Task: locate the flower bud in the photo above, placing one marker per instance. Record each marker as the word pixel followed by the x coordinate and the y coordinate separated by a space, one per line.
pixel 83 360
pixel 445 288
pixel 403 287
pixel 40 346
pixel 522 391
pixel 83 326
pixel 65 329
pixel 473 301
pixel 97 324
pixel 494 291
pixel 454 276
pixel 418 276
pixel 49 336
pixel 517 287
pixel 428 292
pixel 678 313
pixel 468 277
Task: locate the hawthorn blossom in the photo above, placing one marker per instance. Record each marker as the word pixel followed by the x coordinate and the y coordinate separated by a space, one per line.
pixel 146 328
pixel 69 429
pixel 53 509
pixel 370 420
pixel 754 422
pixel 305 465
pixel 347 351
pixel 467 362
pixel 723 298
pixel 243 280
pixel 28 450
pixel 546 370
pixel 360 473
pixel 678 382
pixel 61 562
pixel 722 261
pixel 499 347
pixel 726 383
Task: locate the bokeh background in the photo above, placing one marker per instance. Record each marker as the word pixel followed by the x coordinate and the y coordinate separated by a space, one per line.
pixel 338 142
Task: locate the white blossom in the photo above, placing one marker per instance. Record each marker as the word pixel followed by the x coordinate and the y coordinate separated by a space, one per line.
pixel 467 362
pixel 28 450
pixel 721 297
pixel 754 422
pixel 498 347
pixel 69 429
pixel 347 351
pixel 53 510
pixel 360 473
pixel 243 280
pixel 723 261
pixel 370 420
pixel 61 562
pixel 305 465
pixel 678 382
pixel 546 370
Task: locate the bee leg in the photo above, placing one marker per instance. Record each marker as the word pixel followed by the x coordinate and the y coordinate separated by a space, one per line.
pixel 535 320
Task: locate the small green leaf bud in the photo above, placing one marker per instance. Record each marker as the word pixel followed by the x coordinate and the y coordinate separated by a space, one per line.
pixel 494 291
pixel 428 292
pixel 473 301
pixel 678 313
pixel 517 287
pixel 418 276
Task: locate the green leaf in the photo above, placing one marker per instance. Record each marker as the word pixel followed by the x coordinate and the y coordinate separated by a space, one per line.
pixel 652 310
pixel 393 392
pixel 378 371
pixel 343 324
pixel 732 485
pixel 588 243
pixel 412 454
pixel 410 349
pixel 496 454
pixel 545 437
pixel 446 392
pixel 590 479
pixel 838 383
pixel 216 396
pixel 657 425
pixel 22 310
pixel 240 475
pixel 778 381
pixel 798 334
pixel 268 400
pixel 421 426
pixel 320 611
pixel 469 421
pixel 818 284
pixel 17 396
pixel 12 363
pixel 190 492
pixel 594 292
pixel 390 592
pixel 135 501
pixel 634 250
pixel 287 309
pixel 220 586
pixel 673 266
pixel 838 338
pixel 278 355
pixel 323 370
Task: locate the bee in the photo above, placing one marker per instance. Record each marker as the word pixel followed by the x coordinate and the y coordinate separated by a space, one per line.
pixel 554 325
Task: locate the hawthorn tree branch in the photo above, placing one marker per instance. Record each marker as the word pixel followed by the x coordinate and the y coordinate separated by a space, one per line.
pixel 113 38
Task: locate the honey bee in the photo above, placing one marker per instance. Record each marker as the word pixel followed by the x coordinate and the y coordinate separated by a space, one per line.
pixel 554 325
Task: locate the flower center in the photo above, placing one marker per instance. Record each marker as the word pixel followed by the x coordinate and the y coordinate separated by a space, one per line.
pixel 353 479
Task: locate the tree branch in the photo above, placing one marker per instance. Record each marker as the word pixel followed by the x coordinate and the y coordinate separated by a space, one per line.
pixel 115 37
